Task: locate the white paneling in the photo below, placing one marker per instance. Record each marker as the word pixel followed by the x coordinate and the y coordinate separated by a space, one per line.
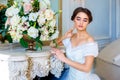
pixel 100 28
pixel 118 18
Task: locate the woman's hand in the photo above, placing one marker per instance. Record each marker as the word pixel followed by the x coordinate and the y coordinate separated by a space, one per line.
pixel 59 40
pixel 69 33
pixel 59 54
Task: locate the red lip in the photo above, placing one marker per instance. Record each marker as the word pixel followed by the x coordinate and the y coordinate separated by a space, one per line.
pixel 80 26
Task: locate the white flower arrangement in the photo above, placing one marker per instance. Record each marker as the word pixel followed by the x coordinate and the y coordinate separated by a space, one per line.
pixel 34 18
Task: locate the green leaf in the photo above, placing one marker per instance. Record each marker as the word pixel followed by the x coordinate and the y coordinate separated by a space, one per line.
pixel 3 33
pixel 35 5
pixel 23 43
pixel 8 37
pixel 31 23
pixel 38 45
pixel 21 13
pixel 56 45
pixel 25 32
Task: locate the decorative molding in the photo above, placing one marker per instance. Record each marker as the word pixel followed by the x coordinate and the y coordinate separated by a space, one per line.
pixel 60 18
pixel 80 2
pixel 110 18
pixel 105 40
pixel 117 18
pixel 102 38
pixel 110 25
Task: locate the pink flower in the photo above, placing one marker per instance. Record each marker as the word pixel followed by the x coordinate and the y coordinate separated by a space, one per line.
pixel 27 7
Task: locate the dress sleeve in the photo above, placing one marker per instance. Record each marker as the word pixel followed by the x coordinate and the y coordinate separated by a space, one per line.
pixel 66 42
pixel 91 49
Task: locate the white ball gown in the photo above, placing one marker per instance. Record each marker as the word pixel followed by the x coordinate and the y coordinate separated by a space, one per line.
pixel 78 54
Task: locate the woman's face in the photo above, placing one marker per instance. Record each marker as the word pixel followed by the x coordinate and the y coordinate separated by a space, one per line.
pixel 81 21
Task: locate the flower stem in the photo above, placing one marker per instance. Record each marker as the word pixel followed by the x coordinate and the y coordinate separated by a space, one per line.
pixel 34 24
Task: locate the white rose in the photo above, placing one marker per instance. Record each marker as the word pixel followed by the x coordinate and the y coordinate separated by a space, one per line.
pixel 49 14
pixel 33 32
pixel 11 11
pixel 33 16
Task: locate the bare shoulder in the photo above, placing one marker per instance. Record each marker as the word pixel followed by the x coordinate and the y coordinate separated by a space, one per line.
pixel 90 39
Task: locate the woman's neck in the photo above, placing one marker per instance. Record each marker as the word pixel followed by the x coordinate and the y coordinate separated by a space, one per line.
pixel 81 34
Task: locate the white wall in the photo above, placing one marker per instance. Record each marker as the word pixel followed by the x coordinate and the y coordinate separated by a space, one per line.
pixel 3 2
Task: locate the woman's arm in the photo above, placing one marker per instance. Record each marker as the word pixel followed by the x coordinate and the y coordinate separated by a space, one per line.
pixel 86 67
pixel 66 35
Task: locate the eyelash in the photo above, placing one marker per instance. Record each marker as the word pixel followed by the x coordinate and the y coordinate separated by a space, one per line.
pixel 83 20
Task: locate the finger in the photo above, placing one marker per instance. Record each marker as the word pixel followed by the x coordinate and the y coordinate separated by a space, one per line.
pixel 72 29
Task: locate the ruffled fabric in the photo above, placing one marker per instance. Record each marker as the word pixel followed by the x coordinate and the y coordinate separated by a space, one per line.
pixel 78 54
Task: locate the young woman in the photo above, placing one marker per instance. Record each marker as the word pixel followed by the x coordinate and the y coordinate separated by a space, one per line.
pixel 81 49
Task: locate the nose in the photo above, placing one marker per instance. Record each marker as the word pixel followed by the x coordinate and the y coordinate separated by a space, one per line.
pixel 81 22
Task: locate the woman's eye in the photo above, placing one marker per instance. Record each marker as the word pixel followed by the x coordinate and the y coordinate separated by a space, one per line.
pixel 85 20
pixel 78 19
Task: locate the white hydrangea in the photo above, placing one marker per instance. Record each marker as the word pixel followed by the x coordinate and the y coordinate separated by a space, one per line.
pixel 41 19
pixel 33 32
pixel 24 19
pixel 44 30
pixel 51 30
pixel 23 28
pixel 16 35
pixel 52 23
pixel 14 21
pixel 44 37
pixel 26 1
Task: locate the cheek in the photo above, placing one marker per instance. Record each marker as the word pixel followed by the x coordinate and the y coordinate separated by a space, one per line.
pixel 76 22
pixel 86 24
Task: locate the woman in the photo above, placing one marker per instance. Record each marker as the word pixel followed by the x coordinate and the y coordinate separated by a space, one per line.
pixel 81 49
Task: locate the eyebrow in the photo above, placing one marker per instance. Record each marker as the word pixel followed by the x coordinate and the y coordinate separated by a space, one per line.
pixel 77 17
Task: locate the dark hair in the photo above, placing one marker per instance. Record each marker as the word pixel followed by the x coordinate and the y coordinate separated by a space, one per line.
pixel 81 9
